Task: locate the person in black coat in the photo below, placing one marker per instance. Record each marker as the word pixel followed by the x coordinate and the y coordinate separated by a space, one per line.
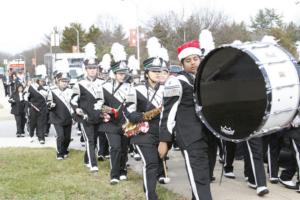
pixel 18 109
pixel 179 115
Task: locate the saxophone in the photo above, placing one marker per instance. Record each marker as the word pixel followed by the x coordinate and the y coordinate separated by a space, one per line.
pixel 131 129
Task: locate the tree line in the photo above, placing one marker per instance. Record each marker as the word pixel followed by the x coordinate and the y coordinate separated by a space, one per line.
pixel 173 30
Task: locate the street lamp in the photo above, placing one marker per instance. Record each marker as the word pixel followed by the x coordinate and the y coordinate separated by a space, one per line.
pixel 77 37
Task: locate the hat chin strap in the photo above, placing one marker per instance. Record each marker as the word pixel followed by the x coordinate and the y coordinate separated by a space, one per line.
pixel 151 82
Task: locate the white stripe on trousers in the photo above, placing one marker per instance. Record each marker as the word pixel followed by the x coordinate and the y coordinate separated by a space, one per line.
pixel 269 161
pixel 109 150
pixel 252 162
pixel 297 155
pixel 86 144
pixel 144 171
pixel 190 173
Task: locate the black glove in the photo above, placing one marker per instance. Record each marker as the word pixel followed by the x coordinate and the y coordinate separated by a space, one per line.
pixel 135 117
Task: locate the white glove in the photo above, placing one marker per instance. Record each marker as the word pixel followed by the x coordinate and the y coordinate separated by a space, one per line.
pixel 79 111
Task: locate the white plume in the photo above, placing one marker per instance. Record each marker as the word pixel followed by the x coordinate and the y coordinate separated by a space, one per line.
pixel 118 52
pixel 269 39
pixel 164 54
pixel 298 49
pixel 62 66
pixel 105 63
pixel 153 47
pixel 236 42
pixel 206 41
pixel 90 51
pixel 41 70
pixel 133 64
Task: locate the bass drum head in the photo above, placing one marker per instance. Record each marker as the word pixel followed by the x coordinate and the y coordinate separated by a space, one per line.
pixel 231 90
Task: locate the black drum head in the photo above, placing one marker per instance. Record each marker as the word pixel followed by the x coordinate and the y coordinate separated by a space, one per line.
pixel 232 92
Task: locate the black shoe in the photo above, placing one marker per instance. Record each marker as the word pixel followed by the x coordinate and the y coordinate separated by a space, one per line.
pixel 288 184
pixel 101 158
pixel 18 135
pixel 262 190
pixel 274 180
pixel 229 175
pixel 212 179
pixel 42 141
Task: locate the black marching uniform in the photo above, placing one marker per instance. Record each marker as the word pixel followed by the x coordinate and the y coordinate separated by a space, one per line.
pixel 61 118
pixel 88 96
pixel 179 115
pixel 18 106
pixel 254 165
pixel 145 98
pixel 37 99
pixel 293 135
pixel 114 96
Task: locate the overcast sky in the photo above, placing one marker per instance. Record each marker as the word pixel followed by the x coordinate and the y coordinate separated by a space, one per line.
pixel 23 23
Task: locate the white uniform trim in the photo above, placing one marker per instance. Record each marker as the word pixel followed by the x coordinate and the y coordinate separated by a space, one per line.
pixel 269 162
pixel 190 174
pixel 86 144
pixel 297 155
pixel 183 78
pixel 252 162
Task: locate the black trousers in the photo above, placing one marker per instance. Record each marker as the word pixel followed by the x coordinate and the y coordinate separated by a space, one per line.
pixel 89 132
pixel 254 164
pixel 118 145
pixel 229 153
pixel 272 146
pixel 294 165
pixel 6 88
pixel 152 168
pixel 197 167
pixel 38 121
pixel 102 144
pixel 63 138
pixel 20 122
pixel 212 152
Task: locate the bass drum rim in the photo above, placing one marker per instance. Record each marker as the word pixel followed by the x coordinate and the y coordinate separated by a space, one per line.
pixel 198 93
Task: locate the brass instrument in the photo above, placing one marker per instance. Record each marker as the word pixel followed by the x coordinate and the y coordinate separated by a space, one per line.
pixel 131 129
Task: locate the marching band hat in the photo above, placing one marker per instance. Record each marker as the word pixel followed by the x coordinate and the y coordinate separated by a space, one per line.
pixel 120 66
pixel 154 64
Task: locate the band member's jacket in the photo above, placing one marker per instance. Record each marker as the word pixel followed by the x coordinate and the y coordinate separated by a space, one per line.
pixel 60 108
pixel 88 95
pixel 143 99
pixel 37 97
pixel 18 103
pixel 179 112
pixel 115 95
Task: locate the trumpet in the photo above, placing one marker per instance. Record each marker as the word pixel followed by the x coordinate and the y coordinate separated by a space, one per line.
pixel 131 129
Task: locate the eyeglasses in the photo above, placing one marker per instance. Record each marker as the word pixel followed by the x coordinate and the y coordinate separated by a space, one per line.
pixel 91 67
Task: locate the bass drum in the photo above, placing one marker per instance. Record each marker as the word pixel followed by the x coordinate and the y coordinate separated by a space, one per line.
pixel 247 90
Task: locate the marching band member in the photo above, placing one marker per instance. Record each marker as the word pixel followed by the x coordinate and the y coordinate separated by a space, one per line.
pixel 37 99
pixel 87 101
pixel 61 114
pixel 294 166
pixel 115 93
pixel 18 105
pixel 146 100
pixel 254 165
pixel 179 115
